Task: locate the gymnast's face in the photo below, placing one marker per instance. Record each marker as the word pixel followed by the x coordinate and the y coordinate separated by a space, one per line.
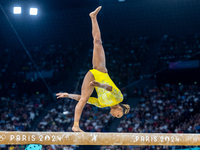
pixel 116 112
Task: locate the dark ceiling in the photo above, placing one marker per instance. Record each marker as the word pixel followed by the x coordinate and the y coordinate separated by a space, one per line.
pixel 64 21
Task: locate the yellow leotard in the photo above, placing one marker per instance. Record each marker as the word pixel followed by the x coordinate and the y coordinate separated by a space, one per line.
pixel 105 98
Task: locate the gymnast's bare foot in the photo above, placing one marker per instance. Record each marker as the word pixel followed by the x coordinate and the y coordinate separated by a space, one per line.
pixel 94 13
pixel 77 129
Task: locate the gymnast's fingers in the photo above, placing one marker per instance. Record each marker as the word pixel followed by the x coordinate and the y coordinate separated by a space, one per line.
pixel 92 83
pixel 58 94
pixel 58 97
pixel 96 83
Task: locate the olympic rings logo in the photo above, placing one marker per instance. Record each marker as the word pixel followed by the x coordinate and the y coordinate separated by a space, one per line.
pixel 2 137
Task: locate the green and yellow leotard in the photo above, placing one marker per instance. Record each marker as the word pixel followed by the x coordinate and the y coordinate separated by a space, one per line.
pixel 105 98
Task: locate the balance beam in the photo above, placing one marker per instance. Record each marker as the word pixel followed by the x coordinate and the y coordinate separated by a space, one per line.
pixel 95 138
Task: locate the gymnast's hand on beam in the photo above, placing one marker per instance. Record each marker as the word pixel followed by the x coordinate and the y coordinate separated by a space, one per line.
pixel 94 83
pixel 62 95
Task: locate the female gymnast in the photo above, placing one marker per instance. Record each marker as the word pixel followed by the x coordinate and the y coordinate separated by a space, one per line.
pixel 108 93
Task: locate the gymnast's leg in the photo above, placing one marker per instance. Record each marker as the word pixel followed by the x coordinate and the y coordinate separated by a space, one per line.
pixel 99 60
pixel 98 63
pixel 86 92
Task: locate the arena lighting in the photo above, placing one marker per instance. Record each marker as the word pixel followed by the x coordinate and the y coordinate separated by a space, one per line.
pixel 33 11
pixel 121 0
pixel 17 10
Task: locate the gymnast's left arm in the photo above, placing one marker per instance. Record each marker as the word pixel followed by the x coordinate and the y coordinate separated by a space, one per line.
pixel 100 85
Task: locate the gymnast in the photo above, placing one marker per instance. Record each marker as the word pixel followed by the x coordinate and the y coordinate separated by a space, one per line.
pixel 108 93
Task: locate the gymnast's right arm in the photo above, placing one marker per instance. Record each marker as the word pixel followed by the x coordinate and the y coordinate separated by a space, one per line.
pixel 72 96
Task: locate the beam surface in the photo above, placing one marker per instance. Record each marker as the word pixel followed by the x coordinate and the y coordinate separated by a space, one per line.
pixel 94 138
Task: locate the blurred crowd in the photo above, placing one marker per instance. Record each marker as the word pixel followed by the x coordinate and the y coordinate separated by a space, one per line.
pixel 54 59
pixel 17 113
pixel 125 58
pixel 174 49
pixel 166 109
